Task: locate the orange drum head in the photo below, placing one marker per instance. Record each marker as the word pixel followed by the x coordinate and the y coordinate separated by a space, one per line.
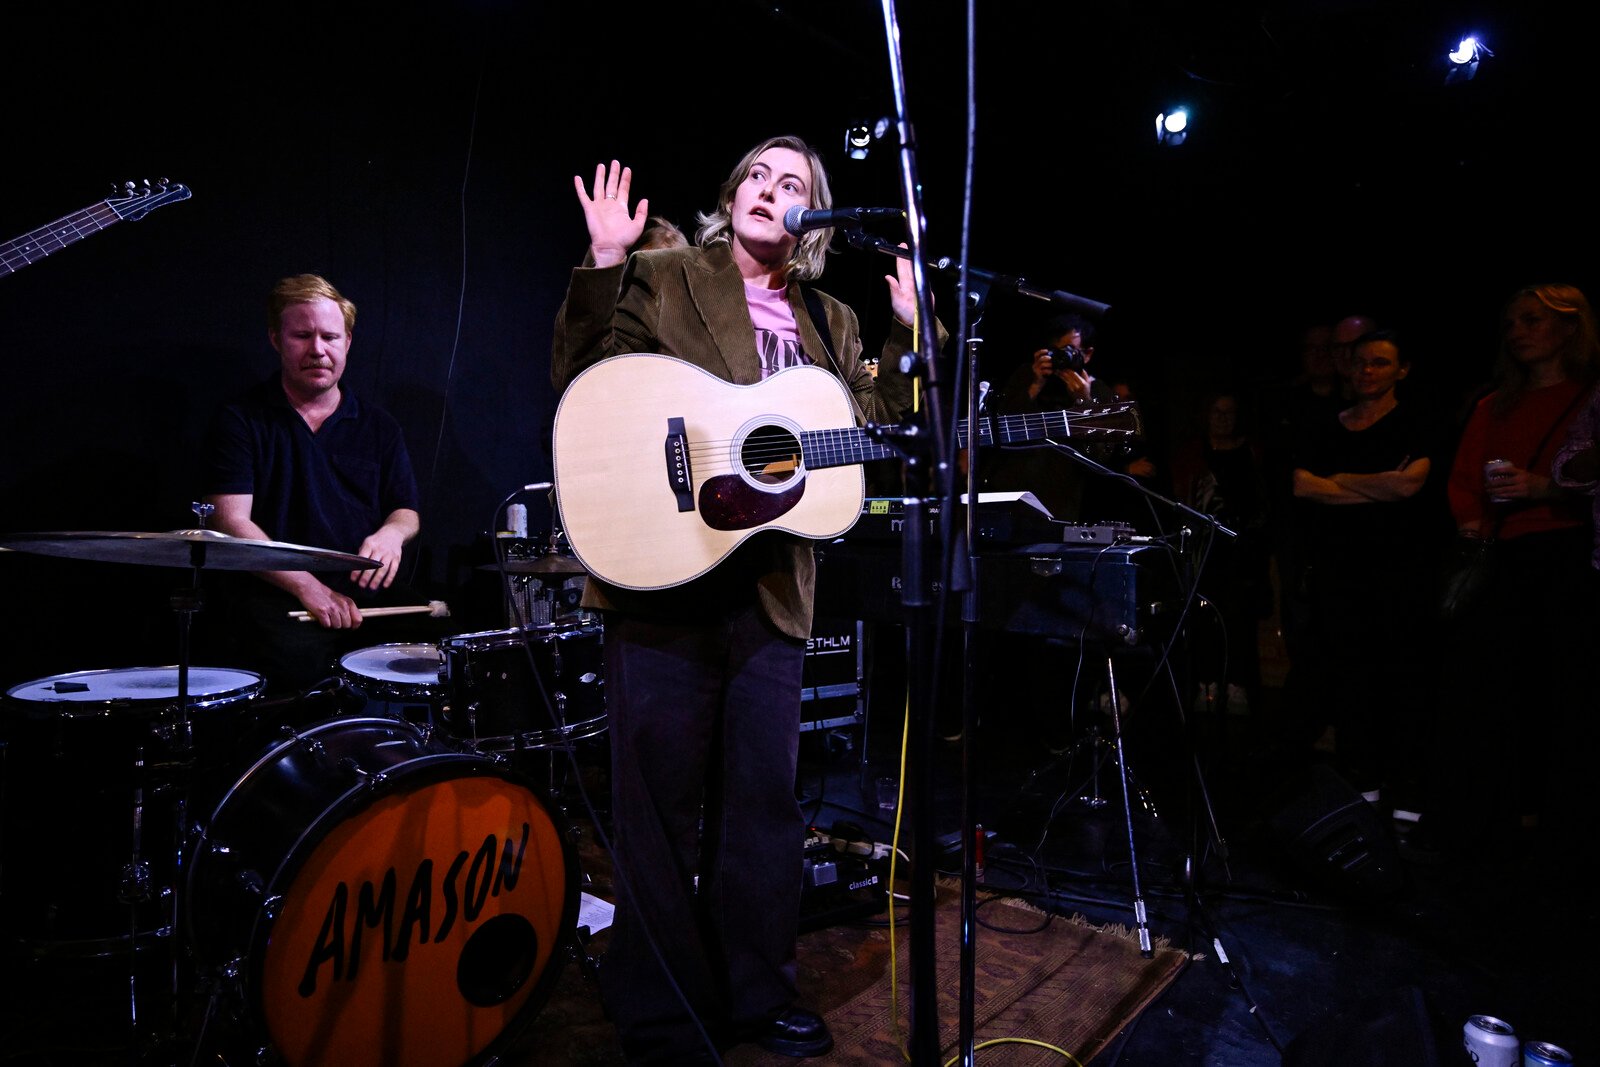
pixel 419 928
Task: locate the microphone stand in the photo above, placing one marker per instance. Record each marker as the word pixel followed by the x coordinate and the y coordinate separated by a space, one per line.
pixel 858 238
pixel 977 432
pixel 927 473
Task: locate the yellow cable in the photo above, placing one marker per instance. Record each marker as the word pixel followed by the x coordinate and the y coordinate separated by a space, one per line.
pixel 894 978
pixel 1019 1041
pixel 894 861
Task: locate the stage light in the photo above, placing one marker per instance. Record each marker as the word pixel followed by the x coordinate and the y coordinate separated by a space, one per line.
pixel 858 141
pixel 1172 127
pixel 858 137
pixel 1463 60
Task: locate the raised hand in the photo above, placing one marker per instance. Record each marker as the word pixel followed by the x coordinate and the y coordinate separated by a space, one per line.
pixel 903 291
pixel 613 229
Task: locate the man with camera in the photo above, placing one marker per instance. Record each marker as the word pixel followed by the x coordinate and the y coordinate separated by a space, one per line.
pixel 1056 378
pixel 1063 362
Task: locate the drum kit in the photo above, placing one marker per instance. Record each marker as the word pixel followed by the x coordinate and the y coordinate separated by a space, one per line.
pixel 301 882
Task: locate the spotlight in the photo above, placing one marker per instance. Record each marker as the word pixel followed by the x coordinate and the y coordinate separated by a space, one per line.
pixel 857 141
pixel 858 137
pixel 1172 127
pixel 1463 60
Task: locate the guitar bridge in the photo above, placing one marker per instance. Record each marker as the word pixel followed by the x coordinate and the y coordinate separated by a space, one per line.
pixel 679 477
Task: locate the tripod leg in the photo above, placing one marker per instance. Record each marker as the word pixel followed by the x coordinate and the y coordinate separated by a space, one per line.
pixel 1141 920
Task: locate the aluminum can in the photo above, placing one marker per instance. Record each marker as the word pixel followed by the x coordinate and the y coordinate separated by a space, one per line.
pixel 1491 468
pixel 1544 1054
pixel 1491 1042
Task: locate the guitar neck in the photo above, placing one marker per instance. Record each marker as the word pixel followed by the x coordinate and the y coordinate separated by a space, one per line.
pixel 837 448
pixel 834 448
pixel 31 247
pixel 1019 429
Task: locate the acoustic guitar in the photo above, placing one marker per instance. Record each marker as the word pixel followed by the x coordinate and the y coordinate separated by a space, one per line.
pixel 662 469
pixel 135 202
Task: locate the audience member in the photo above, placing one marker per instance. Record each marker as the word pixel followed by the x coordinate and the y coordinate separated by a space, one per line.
pixel 1346 332
pixel 1311 398
pixel 1577 465
pixel 1218 470
pixel 1509 675
pixel 1314 393
pixel 1358 482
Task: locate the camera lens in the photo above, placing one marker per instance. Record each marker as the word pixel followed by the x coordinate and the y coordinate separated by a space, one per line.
pixel 1067 358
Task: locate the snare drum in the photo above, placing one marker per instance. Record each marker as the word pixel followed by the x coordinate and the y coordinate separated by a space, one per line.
pixel 95 764
pixel 376 898
pixel 406 676
pixel 524 688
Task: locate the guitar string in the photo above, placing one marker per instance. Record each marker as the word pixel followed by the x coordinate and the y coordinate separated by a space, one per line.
pixel 762 449
pixel 783 442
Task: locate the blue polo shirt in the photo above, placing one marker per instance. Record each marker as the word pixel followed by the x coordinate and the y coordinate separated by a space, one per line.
pixel 328 489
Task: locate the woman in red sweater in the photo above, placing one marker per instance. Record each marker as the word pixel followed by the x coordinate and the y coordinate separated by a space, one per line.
pixel 1510 669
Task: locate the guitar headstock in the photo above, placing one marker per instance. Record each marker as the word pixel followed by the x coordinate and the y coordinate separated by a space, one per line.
pixel 135 200
pixel 1120 420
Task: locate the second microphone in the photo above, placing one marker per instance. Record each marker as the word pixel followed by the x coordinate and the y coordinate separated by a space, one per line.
pixel 799 220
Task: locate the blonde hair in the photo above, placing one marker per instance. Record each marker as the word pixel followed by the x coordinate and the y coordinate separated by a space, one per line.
pixel 1580 356
pixel 303 289
pixel 806 261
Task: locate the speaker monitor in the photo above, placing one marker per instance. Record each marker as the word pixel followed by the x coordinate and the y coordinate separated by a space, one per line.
pixel 1332 833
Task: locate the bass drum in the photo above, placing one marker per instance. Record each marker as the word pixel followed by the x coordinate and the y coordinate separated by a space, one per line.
pixel 377 898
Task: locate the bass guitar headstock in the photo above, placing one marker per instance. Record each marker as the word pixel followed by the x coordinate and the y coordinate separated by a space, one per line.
pixel 135 200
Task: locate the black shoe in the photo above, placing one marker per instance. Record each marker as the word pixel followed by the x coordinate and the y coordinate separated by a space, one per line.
pixel 796 1032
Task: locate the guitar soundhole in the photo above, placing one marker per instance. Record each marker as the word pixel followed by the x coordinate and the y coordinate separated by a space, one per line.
pixel 770 455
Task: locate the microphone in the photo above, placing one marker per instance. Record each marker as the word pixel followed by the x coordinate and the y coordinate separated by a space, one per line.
pixel 798 220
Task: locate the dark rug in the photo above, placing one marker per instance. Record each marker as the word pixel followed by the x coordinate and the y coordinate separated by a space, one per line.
pixel 1040 981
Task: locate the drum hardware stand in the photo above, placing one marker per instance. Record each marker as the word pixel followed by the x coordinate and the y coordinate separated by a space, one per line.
pixel 177 735
pixel 1104 751
pixel 134 887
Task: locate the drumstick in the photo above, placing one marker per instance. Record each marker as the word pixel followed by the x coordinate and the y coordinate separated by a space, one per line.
pixel 436 609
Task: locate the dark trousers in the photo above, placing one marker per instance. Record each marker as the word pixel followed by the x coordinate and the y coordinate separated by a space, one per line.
pixel 704 723
pixel 1368 665
pixel 1517 723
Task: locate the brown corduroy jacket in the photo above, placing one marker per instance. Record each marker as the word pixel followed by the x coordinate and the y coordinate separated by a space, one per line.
pixel 690 303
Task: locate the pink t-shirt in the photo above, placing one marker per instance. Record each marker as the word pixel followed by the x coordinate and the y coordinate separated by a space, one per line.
pixel 777 339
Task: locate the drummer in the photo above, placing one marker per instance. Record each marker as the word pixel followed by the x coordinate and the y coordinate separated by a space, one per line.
pixel 300 459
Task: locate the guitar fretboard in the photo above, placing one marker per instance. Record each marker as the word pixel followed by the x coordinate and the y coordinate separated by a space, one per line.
pixel 1031 426
pixel 834 448
pixel 31 247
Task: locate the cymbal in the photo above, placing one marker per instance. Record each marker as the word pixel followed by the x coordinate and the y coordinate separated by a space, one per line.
pixel 209 549
pixel 568 565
